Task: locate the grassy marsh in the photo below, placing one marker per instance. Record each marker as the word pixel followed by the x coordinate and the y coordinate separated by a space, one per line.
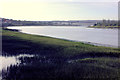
pixel 64 60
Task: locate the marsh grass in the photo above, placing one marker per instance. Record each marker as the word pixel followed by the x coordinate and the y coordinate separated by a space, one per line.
pixel 53 56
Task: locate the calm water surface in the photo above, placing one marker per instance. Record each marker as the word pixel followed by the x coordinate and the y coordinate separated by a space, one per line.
pixel 98 36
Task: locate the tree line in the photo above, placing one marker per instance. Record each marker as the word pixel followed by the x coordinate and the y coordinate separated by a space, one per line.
pixel 108 23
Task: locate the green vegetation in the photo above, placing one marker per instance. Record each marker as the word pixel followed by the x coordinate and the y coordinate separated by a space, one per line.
pixel 57 59
pixel 106 24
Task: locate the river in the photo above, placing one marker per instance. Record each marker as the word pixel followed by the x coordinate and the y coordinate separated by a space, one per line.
pixel 96 36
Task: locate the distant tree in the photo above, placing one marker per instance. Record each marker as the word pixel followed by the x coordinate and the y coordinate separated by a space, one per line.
pixel 108 23
pixel 104 22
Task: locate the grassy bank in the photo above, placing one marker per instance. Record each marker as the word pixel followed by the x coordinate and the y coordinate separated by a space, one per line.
pixel 59 59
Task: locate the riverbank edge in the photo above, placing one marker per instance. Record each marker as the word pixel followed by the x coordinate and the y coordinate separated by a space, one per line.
pixel 81 42
pixel 85 42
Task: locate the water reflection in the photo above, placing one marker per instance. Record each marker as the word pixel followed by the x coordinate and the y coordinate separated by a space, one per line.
pixel 6 61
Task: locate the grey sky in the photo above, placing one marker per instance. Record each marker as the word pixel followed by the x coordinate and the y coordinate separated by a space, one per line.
pixel 59 9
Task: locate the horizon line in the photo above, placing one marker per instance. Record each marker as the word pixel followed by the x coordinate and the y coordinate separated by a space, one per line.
pixel 59 20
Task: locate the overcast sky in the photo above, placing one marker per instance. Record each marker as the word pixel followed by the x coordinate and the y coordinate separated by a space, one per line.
pixel 59 9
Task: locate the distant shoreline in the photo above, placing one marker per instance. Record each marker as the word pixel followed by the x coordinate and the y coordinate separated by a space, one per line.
pixel 112 27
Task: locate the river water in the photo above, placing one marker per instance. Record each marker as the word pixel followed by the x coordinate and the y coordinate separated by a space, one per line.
pixel 97 36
